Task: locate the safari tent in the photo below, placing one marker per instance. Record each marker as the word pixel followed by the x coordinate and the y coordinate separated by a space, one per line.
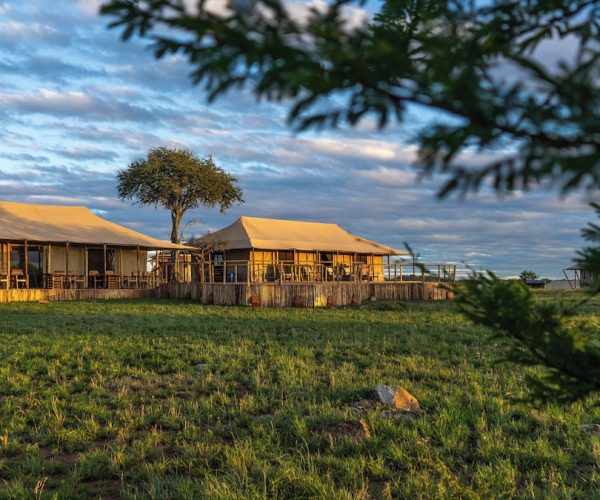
pixel 50 246
pixel 286 250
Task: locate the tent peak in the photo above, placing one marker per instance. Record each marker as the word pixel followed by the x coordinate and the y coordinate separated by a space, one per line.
pixel 262 233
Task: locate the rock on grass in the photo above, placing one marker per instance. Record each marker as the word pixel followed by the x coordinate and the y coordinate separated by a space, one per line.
pixel 397 398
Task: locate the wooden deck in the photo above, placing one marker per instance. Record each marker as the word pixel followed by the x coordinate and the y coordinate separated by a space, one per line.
pixel 264 294
pixel 302 295
pixel 43 295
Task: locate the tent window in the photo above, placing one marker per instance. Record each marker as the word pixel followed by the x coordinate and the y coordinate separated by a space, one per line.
pixel 96 259
pixel 17 258
pixel 326 257
pixel 111 259
pixel 286 256
pixel 35 266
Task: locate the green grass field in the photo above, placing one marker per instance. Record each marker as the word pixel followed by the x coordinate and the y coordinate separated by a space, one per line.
pixel 102 400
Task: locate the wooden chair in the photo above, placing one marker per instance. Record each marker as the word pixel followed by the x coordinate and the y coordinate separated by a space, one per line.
pixel 144 279
pixel 94 279
pixel 17 278
pixel 4 281
pixel 112 280
pixel 130 280
pixel 76 280
pixel 55 280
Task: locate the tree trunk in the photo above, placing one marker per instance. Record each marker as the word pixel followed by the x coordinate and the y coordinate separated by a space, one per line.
pixel 175 222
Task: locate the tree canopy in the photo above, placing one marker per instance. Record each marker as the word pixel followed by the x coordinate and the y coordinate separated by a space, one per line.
pixel 528 275
pixel 178 180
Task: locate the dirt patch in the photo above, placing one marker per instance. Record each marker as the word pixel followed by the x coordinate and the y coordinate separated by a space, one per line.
pixel 357 430
pixel 108 489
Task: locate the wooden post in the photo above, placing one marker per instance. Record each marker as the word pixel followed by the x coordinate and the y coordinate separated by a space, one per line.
pixel 49 259
pixel 67 263
pixel 8 255
pixel 137 264
pixel 86 266
pixel 26 263
pixel 104 280
pixel 389 269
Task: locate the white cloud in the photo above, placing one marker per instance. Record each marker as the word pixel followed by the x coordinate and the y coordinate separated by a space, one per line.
pixel 392 177
pixel 365 148
pixel 15 30
pixel 90 8
pixel 353 16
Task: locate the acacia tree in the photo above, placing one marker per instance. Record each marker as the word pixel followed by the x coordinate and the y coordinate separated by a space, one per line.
pixel 178 180
pixel 475 63
pixel 528 275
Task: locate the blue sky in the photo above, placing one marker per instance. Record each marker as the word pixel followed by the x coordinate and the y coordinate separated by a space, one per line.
pixel 77 104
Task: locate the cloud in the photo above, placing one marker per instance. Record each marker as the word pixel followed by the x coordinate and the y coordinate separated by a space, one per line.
pixel 25 157
pixel 88 154
pixel 47 68
pixel 20 32
pixel 353 16
pixel 390 177
pixel 76 104
pixel 90 8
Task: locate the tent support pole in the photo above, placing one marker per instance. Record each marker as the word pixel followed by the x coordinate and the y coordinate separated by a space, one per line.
pixel 86 266
pixel 67 262
pixel 104 280
pixel 26 263
pixel 8 255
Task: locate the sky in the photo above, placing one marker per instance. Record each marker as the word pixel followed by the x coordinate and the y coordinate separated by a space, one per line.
pixel 77 104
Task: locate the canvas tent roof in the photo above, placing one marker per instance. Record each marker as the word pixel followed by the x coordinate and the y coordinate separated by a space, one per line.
pixel 75 224
pixel 274 234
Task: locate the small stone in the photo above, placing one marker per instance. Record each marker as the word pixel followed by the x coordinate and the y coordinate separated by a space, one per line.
pixel 200 367
pixel 592 428
pixel 397 398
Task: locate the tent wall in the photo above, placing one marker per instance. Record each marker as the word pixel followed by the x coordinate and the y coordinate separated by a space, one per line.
pixel 58 259
pixel 132 260
pixel 305 258
pixel 344 259
pixel 262 265
pixel 4 258
pixel 377 269
pixel 237 264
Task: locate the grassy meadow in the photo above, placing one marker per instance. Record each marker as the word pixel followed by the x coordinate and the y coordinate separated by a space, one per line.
pixel 103 400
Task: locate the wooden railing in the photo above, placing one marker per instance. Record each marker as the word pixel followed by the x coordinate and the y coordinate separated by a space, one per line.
pixel 241 271
pixel 246 272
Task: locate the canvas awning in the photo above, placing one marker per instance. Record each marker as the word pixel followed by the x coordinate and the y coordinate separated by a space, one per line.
pixel 75 224
pixel 274 234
